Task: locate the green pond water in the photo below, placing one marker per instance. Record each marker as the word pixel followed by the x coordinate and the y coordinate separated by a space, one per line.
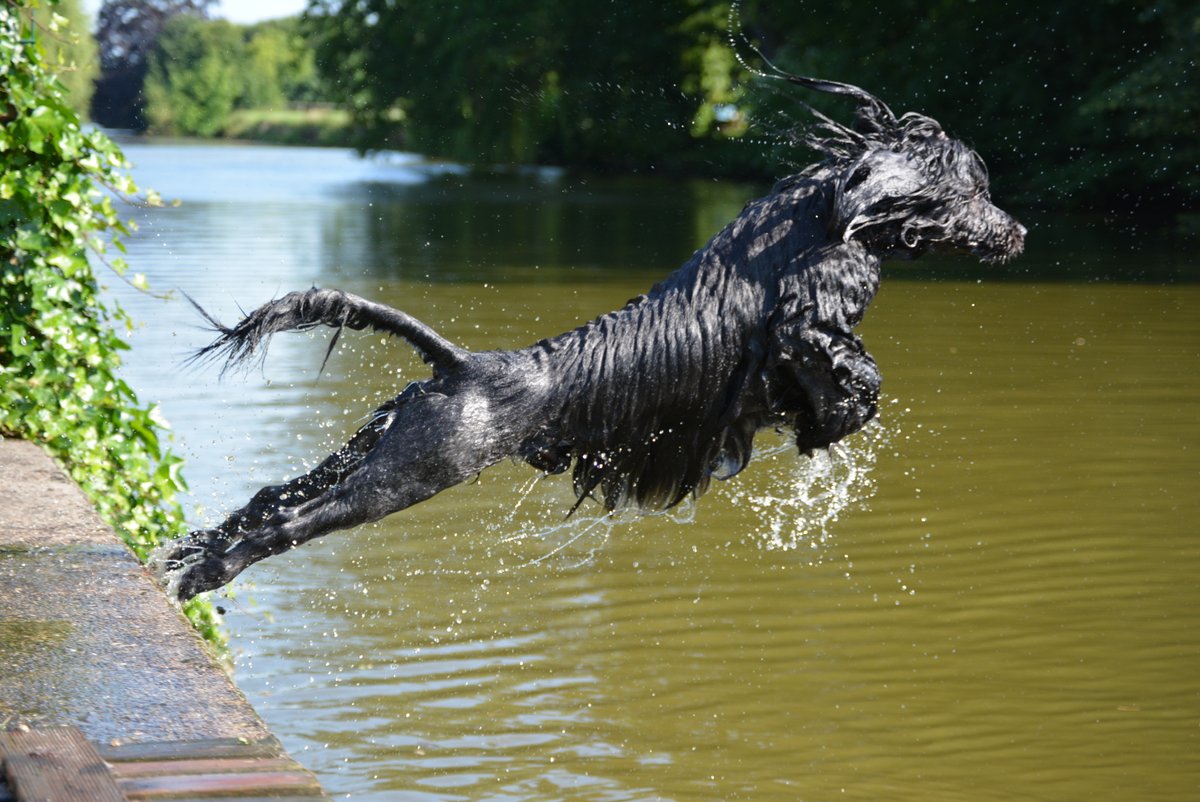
pixel 993 594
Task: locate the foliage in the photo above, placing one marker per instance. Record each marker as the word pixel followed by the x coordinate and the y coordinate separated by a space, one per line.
pixel 200 71
pixel 281 67
pixel 194 77
pixel 591 83
pixel 126 33
pixel 1061 98
pixel 59 344
pixel 1074 102
pixel 319 126
pixel 1153 104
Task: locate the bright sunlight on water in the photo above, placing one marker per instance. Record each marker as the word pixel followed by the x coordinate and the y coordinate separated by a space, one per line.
pixel 993 594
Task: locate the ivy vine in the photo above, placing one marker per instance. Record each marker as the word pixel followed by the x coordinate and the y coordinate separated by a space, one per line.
pixel 60 342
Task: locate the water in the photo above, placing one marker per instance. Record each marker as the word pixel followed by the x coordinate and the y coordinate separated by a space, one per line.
pixel 995 596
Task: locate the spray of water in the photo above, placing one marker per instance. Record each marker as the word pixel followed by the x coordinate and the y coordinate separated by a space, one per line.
pixel 796 501
pixel 802 498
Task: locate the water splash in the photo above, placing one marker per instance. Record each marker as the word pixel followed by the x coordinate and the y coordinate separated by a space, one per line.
pixel 807 495
pixel 169 571
pixel 796 501
pixel 537 520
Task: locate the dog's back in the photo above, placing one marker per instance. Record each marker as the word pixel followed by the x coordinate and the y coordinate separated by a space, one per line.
pixel 653 399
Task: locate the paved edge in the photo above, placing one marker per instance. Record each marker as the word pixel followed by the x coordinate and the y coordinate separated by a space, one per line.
pixel 87 638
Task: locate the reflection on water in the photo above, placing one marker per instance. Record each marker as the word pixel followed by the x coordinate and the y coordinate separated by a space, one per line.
pixel 994 595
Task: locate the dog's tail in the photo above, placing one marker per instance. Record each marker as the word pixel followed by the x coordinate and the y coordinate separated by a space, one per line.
pixel 299 311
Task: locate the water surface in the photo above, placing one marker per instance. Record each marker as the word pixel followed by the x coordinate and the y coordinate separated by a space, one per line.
pixel 994 594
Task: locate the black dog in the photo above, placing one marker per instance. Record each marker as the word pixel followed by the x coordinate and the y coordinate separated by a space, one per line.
pixel 648 402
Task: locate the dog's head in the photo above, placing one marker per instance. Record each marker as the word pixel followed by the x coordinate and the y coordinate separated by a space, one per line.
pixel 911 189
pixel 903 187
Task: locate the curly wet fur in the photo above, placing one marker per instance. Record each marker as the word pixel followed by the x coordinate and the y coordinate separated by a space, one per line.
pixel 645 404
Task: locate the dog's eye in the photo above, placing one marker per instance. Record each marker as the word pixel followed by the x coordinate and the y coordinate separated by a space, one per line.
pixel 857 177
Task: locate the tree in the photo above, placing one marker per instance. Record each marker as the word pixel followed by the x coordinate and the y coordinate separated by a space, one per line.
pixel 267 62
pixel 1152 106
pixel 201 70
pixel 280 67
pixel 1073 103
pixel 593 83
pixel 126 32
pixel 195 76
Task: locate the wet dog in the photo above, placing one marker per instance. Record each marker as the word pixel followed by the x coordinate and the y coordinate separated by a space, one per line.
pixel 646 404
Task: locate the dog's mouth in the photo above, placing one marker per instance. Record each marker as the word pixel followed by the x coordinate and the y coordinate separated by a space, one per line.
pixel 1000 244
pixel 995 256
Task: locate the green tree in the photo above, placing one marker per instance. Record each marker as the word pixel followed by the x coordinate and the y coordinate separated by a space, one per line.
pixel 1075 102
pixel 1152 106
pixel 201 70
pixel 1079 102
pixel 281 66
pixel 593 83
pixel 267 61
pixel 196 76
pixel 60 382
pixel 126 33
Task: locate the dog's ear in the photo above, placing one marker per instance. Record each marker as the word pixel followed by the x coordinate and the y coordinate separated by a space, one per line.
pixel 914 128
pixel 872 192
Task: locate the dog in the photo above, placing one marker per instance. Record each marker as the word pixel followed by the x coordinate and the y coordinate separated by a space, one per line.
pixel 644 405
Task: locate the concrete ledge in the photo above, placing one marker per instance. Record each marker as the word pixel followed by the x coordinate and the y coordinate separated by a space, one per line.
pixel 40 505
pixel 86 637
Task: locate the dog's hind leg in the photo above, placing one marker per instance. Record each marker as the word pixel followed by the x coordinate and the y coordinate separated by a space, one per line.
pixel 173 555
pixel 433 442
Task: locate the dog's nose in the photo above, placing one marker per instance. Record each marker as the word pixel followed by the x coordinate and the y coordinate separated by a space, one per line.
pixel 1018 232
pixel 1019 239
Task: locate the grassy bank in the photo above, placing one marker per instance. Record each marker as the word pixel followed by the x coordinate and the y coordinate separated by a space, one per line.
pixel 319 127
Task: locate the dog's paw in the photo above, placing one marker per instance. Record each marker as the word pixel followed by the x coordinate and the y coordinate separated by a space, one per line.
pixel 189 565
pixel 208 573
pixel 173 555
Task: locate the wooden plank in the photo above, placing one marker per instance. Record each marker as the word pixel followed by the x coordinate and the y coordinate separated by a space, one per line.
pixel 56 763
pixel 211 749
pixel 274 783
pixel 155 768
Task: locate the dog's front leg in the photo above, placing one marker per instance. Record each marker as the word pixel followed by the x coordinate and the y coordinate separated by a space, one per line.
pixel 827 383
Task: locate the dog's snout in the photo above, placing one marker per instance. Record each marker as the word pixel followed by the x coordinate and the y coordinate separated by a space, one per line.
pixel 1019 232
pixel 994 235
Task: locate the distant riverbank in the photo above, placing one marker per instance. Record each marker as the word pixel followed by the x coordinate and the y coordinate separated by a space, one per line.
pixel 319 126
